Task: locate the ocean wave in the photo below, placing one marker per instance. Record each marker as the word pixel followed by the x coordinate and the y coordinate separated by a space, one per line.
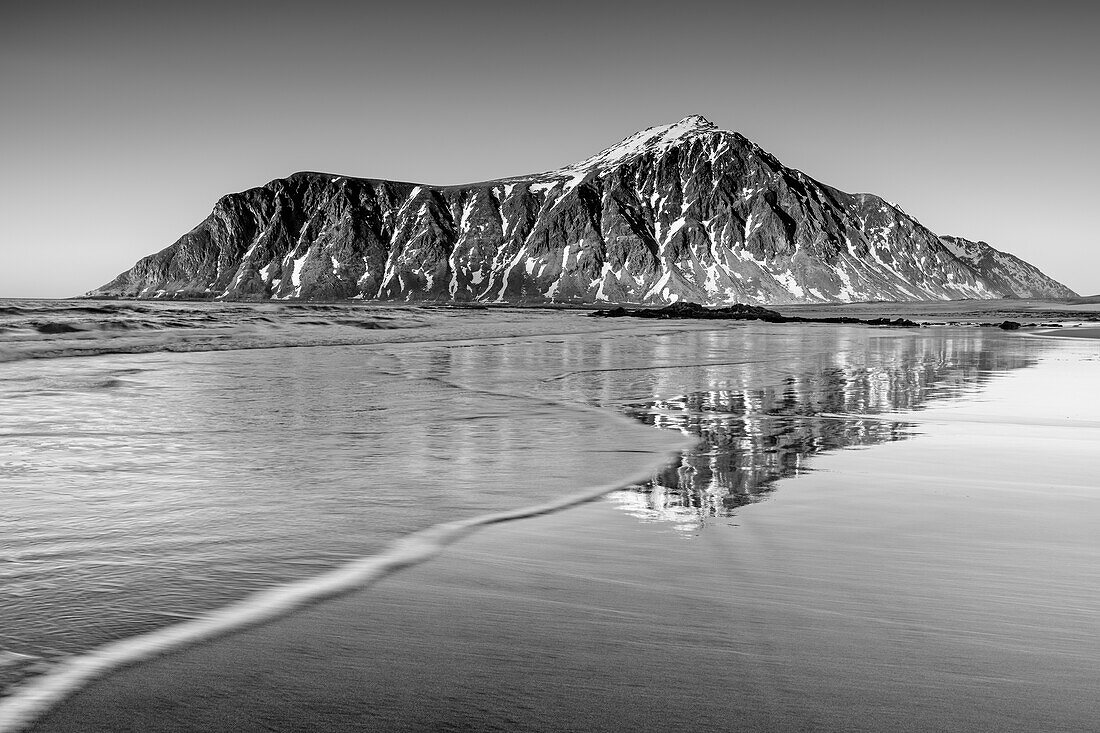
pixel 37 695
pixel 48 329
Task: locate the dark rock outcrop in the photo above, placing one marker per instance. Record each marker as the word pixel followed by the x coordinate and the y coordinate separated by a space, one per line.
pixel 681 212
pixel 740 312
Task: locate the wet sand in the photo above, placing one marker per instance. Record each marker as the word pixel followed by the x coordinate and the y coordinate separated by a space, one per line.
pixel 946 582
pixel 1085 332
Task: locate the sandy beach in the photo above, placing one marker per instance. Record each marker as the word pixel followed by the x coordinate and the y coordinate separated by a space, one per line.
pixel 1085 332
pixel 943 582
pixel 587 620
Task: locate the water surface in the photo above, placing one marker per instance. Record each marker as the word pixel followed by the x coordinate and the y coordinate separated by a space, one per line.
pixel 882 531
pixel 146 488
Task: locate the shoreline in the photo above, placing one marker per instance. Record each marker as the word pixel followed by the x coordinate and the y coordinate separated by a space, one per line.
pixel 587 619
pixel 1080 332
pixel 28 337
pixel 450 532
pixel 28 701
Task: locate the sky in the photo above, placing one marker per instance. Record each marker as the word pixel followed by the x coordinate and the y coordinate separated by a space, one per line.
pixel 121 124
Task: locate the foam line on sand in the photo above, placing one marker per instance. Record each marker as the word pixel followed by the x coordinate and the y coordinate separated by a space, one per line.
pixel 31 700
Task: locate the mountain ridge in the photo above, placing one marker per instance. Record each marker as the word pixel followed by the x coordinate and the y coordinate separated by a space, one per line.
pixel 684 211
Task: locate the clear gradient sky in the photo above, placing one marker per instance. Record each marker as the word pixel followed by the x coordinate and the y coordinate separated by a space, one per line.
pixel 122 123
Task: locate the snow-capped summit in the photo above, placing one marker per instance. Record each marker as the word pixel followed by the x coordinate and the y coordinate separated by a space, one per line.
pixel 684 211
pixel 687 128
pixel 648 141
pixel 695 122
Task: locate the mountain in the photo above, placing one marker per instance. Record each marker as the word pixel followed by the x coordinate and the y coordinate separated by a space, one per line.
pixel 677 212
pixel 1006 272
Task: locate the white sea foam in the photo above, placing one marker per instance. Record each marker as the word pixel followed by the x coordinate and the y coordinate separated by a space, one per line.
pixel 35 697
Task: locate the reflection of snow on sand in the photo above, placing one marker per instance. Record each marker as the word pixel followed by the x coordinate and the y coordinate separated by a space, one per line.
pixel 183 473
pixel 658 504
pixel 762 420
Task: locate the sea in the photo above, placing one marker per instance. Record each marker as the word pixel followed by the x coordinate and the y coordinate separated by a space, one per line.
pixel 162 461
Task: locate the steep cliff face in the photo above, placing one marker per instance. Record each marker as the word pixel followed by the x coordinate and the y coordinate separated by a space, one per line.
pixel 677 212
pixel 1006 272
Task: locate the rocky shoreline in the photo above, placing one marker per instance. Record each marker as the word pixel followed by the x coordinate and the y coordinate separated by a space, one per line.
pixel 742 312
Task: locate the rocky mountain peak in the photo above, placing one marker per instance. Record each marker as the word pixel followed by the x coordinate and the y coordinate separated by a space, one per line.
pixel 678 212
pixel 690 125
pixel 650 140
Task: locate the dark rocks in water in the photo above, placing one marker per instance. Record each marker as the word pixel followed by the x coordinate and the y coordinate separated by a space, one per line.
pixel 735 312
pixel 680 212
pixel 1010 326
pixel 740 312
pixel 897 322
pixel 53 327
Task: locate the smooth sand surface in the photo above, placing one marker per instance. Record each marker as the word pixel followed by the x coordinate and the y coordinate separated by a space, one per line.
pixel 1086 332
pixel 947 582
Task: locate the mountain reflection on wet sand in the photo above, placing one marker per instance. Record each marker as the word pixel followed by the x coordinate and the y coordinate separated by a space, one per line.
pixel 818 606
